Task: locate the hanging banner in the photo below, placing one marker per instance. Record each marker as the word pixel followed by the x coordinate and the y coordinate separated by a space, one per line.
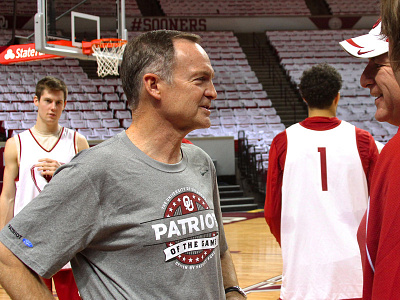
pixel 26 52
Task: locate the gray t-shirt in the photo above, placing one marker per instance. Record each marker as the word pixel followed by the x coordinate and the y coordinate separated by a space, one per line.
pixel 132 227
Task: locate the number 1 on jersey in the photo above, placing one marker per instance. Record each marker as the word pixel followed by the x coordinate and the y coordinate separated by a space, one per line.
pixel 324 176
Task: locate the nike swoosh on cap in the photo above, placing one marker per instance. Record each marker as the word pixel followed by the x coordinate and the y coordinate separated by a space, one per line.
pixel 363 52
pixel 360 52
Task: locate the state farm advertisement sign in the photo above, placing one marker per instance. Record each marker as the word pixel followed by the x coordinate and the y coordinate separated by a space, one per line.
pixel 26 52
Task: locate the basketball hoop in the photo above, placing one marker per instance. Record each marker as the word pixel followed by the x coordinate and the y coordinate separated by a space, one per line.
pixel 108 53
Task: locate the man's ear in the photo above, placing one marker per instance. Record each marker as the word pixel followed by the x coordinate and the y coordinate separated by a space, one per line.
pixel 36 100
pixel 337 98
pixel 151 83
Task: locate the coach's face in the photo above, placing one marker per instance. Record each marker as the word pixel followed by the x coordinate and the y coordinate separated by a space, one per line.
pixel 187 100
pixel 378 76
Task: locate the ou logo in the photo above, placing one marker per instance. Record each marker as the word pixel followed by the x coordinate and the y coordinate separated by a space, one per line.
pixel 188 203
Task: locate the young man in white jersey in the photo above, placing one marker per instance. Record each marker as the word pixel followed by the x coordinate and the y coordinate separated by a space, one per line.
pixel 32 157
pixel 317 192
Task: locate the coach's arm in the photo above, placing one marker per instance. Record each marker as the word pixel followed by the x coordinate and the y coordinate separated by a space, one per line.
pixel 229 276
pixel 18 280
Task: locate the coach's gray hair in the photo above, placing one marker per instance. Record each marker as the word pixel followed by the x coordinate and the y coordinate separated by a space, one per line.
pixel 390 10
pixel 151 52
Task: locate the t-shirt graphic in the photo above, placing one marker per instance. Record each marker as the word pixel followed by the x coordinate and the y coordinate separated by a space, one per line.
pixel 189 228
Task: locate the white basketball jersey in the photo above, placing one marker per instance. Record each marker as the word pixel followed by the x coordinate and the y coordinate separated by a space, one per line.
pixel 324 196
pixel 30 181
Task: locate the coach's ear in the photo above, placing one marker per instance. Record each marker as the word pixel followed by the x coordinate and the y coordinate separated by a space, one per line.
pixel 151 83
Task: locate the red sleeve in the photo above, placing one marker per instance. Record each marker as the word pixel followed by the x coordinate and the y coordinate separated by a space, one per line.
pixel 368 152
pixel 383 232
pixel 185 141
pixel 273 198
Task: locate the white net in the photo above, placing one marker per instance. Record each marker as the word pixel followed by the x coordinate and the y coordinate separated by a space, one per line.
pixel 108 56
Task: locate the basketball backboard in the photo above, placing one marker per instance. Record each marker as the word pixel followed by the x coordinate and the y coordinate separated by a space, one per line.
pixel 77 21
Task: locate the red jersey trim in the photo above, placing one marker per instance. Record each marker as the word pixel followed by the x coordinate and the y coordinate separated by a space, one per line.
pixel 320 123
pixel 34 178
pixel 185 141
pixel 20 147
pixel 48 151
pixel 75 143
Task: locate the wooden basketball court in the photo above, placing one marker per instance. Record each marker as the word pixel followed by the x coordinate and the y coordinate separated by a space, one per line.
pixel 256 254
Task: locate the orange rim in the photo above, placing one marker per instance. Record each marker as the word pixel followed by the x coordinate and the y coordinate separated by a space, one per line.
pixel 102 43
pixel 108 43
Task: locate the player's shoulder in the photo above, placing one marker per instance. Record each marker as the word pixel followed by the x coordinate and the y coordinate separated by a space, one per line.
pixel 21 134
pixel 70 131
pixel 10 143
pixel 80 136
pixel 14 140
pixel 362 133
pixel 281 137
pixel 81 142
pixel 10 148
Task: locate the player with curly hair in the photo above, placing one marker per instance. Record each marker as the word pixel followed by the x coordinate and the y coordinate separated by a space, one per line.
pixel 317 192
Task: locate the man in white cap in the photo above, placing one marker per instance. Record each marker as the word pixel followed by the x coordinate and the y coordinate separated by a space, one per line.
pixel 378 234
pixel 368 45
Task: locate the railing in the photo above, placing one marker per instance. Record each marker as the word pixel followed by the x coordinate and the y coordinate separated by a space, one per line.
pixel 275 74
pixel 251 169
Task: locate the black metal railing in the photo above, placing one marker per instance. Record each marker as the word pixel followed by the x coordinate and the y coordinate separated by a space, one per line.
pixel 251 164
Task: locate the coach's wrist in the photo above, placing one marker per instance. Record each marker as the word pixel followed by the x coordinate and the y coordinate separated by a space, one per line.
pixel 235 289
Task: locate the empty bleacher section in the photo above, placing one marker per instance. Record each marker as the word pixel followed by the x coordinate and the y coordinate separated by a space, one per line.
pixel 95 104
pixel 266 65
pixel 299 50
pixel 350 7
pixel 6 35
pixel 233 8
pixel 102 7
pixel 97 108
pixel 242 104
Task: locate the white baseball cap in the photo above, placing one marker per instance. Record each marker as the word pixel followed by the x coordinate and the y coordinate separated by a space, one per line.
pixel 368 45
